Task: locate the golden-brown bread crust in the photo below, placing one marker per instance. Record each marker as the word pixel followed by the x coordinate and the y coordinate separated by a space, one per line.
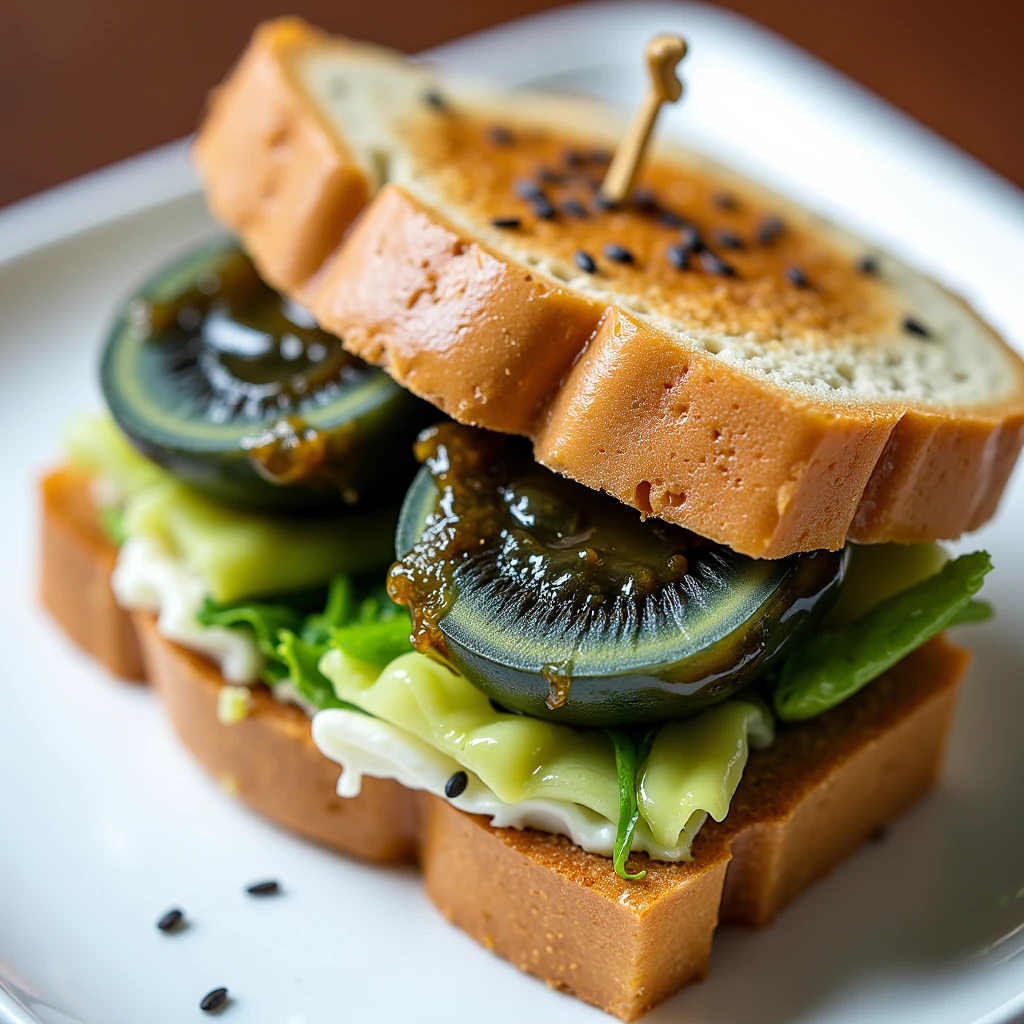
pixel 562 914
pixel 802 806
pixel 268 759
pixel 671 431
pixel 608 398
pixel 303 188
pixel 544 904
pixel 76 560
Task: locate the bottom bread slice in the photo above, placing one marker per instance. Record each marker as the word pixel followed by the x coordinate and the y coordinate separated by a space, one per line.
pixel 76 561
pixel 535 899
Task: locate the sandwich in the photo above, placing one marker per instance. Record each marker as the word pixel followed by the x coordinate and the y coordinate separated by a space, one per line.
pixel 663 632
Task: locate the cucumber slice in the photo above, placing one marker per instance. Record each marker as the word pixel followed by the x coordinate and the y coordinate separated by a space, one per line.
pixel 234 389
pixel 561 602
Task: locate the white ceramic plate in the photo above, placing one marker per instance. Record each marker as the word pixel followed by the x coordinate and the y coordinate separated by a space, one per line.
pixel 105 822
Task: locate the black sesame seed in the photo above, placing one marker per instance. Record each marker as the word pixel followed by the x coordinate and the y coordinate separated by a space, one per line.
pixel 914 326
pixel 526 189
pixel 867 265
pixel 618 253
pixel 728 239
pixel 572 208
pixel 434 99
pixel 506 222
pixel 643 199
pixel 715 264
pixel 214 1000
pixel 670 219
pixel 500 135
pixel 769 229
pixel 724 200
pixel 599 156
pixel 573 158
pixel 604 203
pixel 456 785
pixel 550 176
pixel 678 256
pixel 542 208
pixel 690 238
pixel 269 888
pixel 171 920
pixel 584 261
pixel 796 277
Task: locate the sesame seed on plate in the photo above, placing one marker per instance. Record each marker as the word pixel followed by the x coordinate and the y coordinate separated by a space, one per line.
pixel 268 888
pixel 171 920
pixel 435 99
pixel 867 265
pixel 506 222
pixel 725 200
pixel 456 785
pixel 213 1000
pixel 604 203
pixel 573 208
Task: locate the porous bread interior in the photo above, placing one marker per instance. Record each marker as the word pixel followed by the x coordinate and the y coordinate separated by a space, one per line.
pixel 378 107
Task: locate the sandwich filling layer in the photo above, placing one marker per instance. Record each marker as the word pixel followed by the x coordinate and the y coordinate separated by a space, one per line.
pixel 430 726
pixel 579 668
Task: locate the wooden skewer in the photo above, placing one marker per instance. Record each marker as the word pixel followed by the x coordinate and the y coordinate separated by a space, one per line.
pixel 662 54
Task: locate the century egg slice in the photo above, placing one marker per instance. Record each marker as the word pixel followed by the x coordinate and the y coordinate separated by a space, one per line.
pixel 234 389
pixel 563 603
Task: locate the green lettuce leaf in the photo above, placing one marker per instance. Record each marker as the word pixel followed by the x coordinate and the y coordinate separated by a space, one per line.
pixel 340 608
pixel 111 518
pixel 376 643
pixel 362 621
pixel 264 621
pixel 833 665
pixel 301 660
pixel 630 755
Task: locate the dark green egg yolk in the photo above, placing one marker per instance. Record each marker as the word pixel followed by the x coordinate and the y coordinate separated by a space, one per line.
pixel 562 602
pixel 255 351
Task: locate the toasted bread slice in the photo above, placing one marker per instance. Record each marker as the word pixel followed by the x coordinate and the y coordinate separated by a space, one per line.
pixel 793 404
pixel 268 760
pixel 76 562
pixel 547 906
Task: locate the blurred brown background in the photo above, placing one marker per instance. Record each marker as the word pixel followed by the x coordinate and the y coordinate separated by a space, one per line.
pixel 87 82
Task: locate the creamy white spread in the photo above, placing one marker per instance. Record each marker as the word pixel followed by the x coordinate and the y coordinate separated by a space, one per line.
pixel 366 746
pixel 150 578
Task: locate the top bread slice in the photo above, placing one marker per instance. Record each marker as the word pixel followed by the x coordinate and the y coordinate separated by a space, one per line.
pixel 819 392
